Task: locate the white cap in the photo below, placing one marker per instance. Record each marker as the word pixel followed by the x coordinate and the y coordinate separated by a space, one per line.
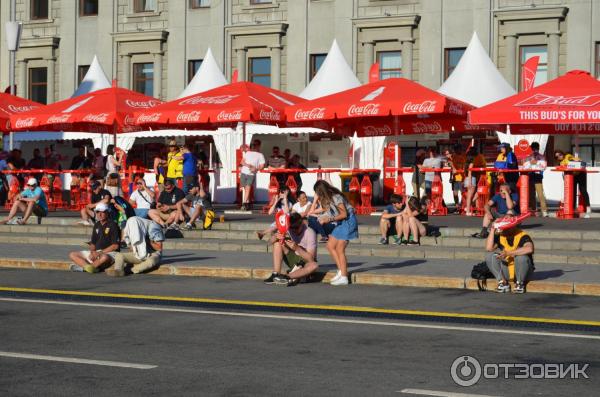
pixel 101 207
pixel 32 182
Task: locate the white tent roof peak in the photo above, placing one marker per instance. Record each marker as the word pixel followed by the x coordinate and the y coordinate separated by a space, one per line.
pixel 95 79
pixel 476 80
pixel 208 76
pixel 334 75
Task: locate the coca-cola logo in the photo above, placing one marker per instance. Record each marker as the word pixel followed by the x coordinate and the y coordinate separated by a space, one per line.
pixel 456 108
pixel 24 123
pixel 371 130
pixel 96 118
pixel 21 109
pixel 229 116
pixel 312 114
pixel 270 115
pixel 149 118
pixel 423 107
pixel 141 104
pixel 63 118
pixel 422 128
pixel 370 109
pixel 523 145
pixel 129 120
pixel 560 100
pixel 215 100
pixel 187 117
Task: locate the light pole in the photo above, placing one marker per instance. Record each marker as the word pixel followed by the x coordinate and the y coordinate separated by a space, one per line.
pixel 13 38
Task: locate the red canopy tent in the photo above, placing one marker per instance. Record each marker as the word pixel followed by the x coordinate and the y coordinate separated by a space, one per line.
pixel 11 104
pixel 110 110
pixel 385 107
pixel 569 104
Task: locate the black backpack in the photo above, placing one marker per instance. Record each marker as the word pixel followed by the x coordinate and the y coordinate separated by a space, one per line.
pixel 481 273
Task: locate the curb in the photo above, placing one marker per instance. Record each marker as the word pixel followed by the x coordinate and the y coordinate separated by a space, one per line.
pixel 395 280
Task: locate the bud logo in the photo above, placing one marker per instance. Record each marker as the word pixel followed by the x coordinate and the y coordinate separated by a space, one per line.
pixel 230 116
pixel 24 123
pixel 187 117
pixel 371 130
pixel 421 128
pixel 149 118
pixel 96 118
pixel 141 104
pixel 312 114
pixel 215 100
pixel 544 100
pixel 370 109
pixel 423 107
pixel 269 115
pixel 58 119
pixel 21 109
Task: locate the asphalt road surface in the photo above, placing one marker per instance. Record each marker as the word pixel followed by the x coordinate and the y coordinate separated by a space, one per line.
pixel 95 340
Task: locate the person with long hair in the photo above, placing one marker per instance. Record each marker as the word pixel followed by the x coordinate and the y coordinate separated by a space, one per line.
pixel 474 160
pixel 339 217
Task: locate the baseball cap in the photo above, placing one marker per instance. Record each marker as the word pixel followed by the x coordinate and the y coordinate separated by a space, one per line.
pixel 32 182
pixel 101 207
pixel 508 222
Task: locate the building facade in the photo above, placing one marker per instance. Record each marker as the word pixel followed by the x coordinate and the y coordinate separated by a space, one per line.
pixel 155 46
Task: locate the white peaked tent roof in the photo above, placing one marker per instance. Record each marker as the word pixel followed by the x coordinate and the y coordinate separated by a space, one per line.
pixel 476 80
pixel 207 77
pixel 95 79
pixel 334 75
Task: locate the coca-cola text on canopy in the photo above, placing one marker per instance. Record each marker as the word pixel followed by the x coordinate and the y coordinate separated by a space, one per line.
pixel 149 118
pixel 215 100
pixel 25 123
pixel 423 107
pixel 370 109
pixel 141 104
pixel 371 130
pixel 56 119
pixel 21 109
pixel 187 117
pixel 311 114
pixel 234 115
pixel 96 118
pixel 560 100
pixel 421 127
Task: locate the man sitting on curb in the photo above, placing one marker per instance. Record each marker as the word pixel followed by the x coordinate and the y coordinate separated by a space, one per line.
pixel 99 195
pixel 32 200
pixel 145 237
pixel 168 209
pixel 195 204
pixel 502 204
pixel 104 245
pixel 391 219
pixel 509 247
pixel 298 249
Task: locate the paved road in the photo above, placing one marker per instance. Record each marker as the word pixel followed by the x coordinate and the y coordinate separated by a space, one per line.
pixel 195 351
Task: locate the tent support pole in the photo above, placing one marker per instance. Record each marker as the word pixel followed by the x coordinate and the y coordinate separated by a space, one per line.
pixel 397 149
pixel 11 142
pixel 243 133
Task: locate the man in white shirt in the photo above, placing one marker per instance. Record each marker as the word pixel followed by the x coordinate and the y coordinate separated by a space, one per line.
pixel 141 199
pixel 433 161
pixel 252 162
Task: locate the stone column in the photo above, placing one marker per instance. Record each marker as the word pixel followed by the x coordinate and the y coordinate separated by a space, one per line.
pixel 407 59
pixel 368 51
pixel 241 64
pixel 511 59
pixel 22 81
pixel 276 68
pixel 157 75
pixel 50 86
pixel 553 54
pixel 126 71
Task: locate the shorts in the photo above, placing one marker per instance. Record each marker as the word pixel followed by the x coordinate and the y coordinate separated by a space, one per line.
pixel 86 255
pixel 392 230
pixel 471 182
pixel 164 215
pixel 347 229
pixel 428 185
pixel 292 259
pixel 457 186
pixel 39 211
pixel 247 179
pixel 141 212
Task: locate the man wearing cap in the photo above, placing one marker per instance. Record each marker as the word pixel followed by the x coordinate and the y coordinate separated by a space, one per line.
pixel 502 204
pixel 174 162
pixel 99 195
pixel 252 162
pixel 32 200
pixel 104 244
pixel 168 209
pixel 145 238
pixel 509 254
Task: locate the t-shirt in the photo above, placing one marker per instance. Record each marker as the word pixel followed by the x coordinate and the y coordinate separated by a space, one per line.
pixel 104 236
pixel 172 198
pixel 510 240
pixel 142 199
pixel 174 167
pixel 390 209
pixel 111 166
pixel 41 201
pixel 79 162
pixel 458 161
pixel 195 200
pixel 255 159
pixel 36 163
pixel 277 162
pixel 299 208
pixel 307 239
pixel 189 164
pixel 429 162
pixel 101 194
pixel 337 200
pixel 500 203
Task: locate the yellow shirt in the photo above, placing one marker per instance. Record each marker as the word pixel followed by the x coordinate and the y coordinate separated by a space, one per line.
pixel 568 157
pixel 174 167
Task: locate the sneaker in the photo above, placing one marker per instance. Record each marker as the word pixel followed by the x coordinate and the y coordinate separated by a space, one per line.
pixel 115 272
pixel 545 214
pixel 188 226
pixel 323 240
pixel 503 287
pixel 260 235
pixel 270 279
pixel 342 280
pixel 84 223
pixel 383 241
pixel 281 279
pixel 296 267
pixel 91 269
pixel 519 288
pixel 337 276
pixel 587 215
pixel 412 243
pixel 481 235
pixel 400 241
pixel 75 268
pixel 292 282
pixel 173 226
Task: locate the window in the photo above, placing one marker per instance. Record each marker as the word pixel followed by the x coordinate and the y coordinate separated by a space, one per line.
pixel 199 3
pixel 88 8
pixel 589 151
pixel 193 66
pixel 143 78
pixel 144 5
pixel 316 60
pixel 39 9
pixel 597 60
pixel 528 51
pixel 260 71
pixel 38 85
pixel 81 72
pixel 261 1
pixel 451 58
pixel 390 64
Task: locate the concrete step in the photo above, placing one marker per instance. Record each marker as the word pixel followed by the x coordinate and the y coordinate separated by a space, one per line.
pixel 445 252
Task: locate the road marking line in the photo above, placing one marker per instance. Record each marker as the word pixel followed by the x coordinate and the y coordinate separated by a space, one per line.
pixel 76 360
pixel 316 319
pixel 437 393
pixel 356 309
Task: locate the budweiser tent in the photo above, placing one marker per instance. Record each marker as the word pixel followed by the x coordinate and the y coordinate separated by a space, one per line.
pixel 385 107
pixel 569 104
